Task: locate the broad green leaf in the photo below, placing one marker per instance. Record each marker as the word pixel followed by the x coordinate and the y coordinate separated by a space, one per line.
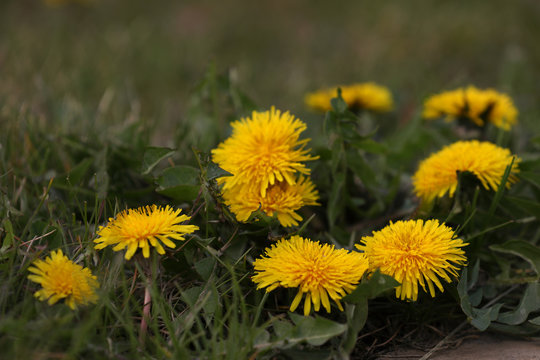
pixel 371 146
pixel 8 237
pixel 356 319
pixel 376 285
pixel 523 249
pixel 338 104
pixel 179 182
pixel 529 206
pixel 525 329
pixel 535 321
pixel 531 177
pixel 152 156
pixel 529 302
pixel 315 330
pixel 283 329
pixel 361 168
pixel 335 202
pixel 483 317
pixel 214 171
pixel 204 267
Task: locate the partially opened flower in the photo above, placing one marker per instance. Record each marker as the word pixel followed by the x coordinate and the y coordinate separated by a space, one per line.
pixel 263 150
pixel 61 278
pixel 144 227
pixel 282 199
pixel 437 175
pixel 318 270
pixel 362 96
pixel 415 252
pixel 476 105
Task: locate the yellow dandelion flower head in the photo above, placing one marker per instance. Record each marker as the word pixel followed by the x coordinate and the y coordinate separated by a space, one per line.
pixel 61 278
pixel 366 96
pixel 318 270
pixel 437 175
pixel 263 150
pixel 415 252
pixel 144 227
pixel 282 199
pixel 477 105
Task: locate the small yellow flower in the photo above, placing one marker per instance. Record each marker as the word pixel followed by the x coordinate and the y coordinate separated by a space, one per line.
pixel 363 96
pixel 282 199
pixel 437 175
pixel 319 271
pixel 142 227
pixel 63 279
pixel 415 252
pixel 479 106
pixel 263 150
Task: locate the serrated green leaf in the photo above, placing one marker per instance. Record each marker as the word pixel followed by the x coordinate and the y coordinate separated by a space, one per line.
pixel 370 146
pixel 315 330
pixel 152 156
pixel 205 267
pixel 376 285
pixel 283 329
pixel 529 302
pixel 338 104
pixel 179 182
pixel 525 329
pixel 213 171
pixel 483 317
pixel 8 237
pixel 529 206
pixel 361 169
pixel 356 319
pixel 335 202
pixel 523 249
pixel 535 321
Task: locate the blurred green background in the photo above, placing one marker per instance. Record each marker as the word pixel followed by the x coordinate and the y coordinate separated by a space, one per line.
pixel 67 64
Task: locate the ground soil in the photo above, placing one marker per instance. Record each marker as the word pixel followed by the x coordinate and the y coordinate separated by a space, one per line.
pixel 478 347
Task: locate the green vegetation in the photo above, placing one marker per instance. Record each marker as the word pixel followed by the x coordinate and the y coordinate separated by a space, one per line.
pixel 117 104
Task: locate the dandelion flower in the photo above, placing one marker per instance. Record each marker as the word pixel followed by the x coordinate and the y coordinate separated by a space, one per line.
pixel 263 150
pixel 61 278
pixel 476 105
pixel 282 199
pixel 142 227
pixel 363 96
pixel 319 271
pixel 437 174
pixel 415 252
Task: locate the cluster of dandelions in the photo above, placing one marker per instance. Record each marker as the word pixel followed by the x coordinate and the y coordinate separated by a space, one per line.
pixel 414 252
pixel 475 105
pixel 361 96
pixel 266 156
pixel 132 229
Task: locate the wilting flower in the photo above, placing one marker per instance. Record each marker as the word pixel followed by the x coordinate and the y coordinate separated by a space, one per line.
pixel 437 174
pixel 263 150
pixel 282 199
pixel 61 278
pixel 363 96
pixel 476 105
pixel 144 227
pixel 415 252
pixel 319 271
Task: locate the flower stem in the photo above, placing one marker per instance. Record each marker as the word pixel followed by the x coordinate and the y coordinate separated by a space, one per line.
pixel 146 313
